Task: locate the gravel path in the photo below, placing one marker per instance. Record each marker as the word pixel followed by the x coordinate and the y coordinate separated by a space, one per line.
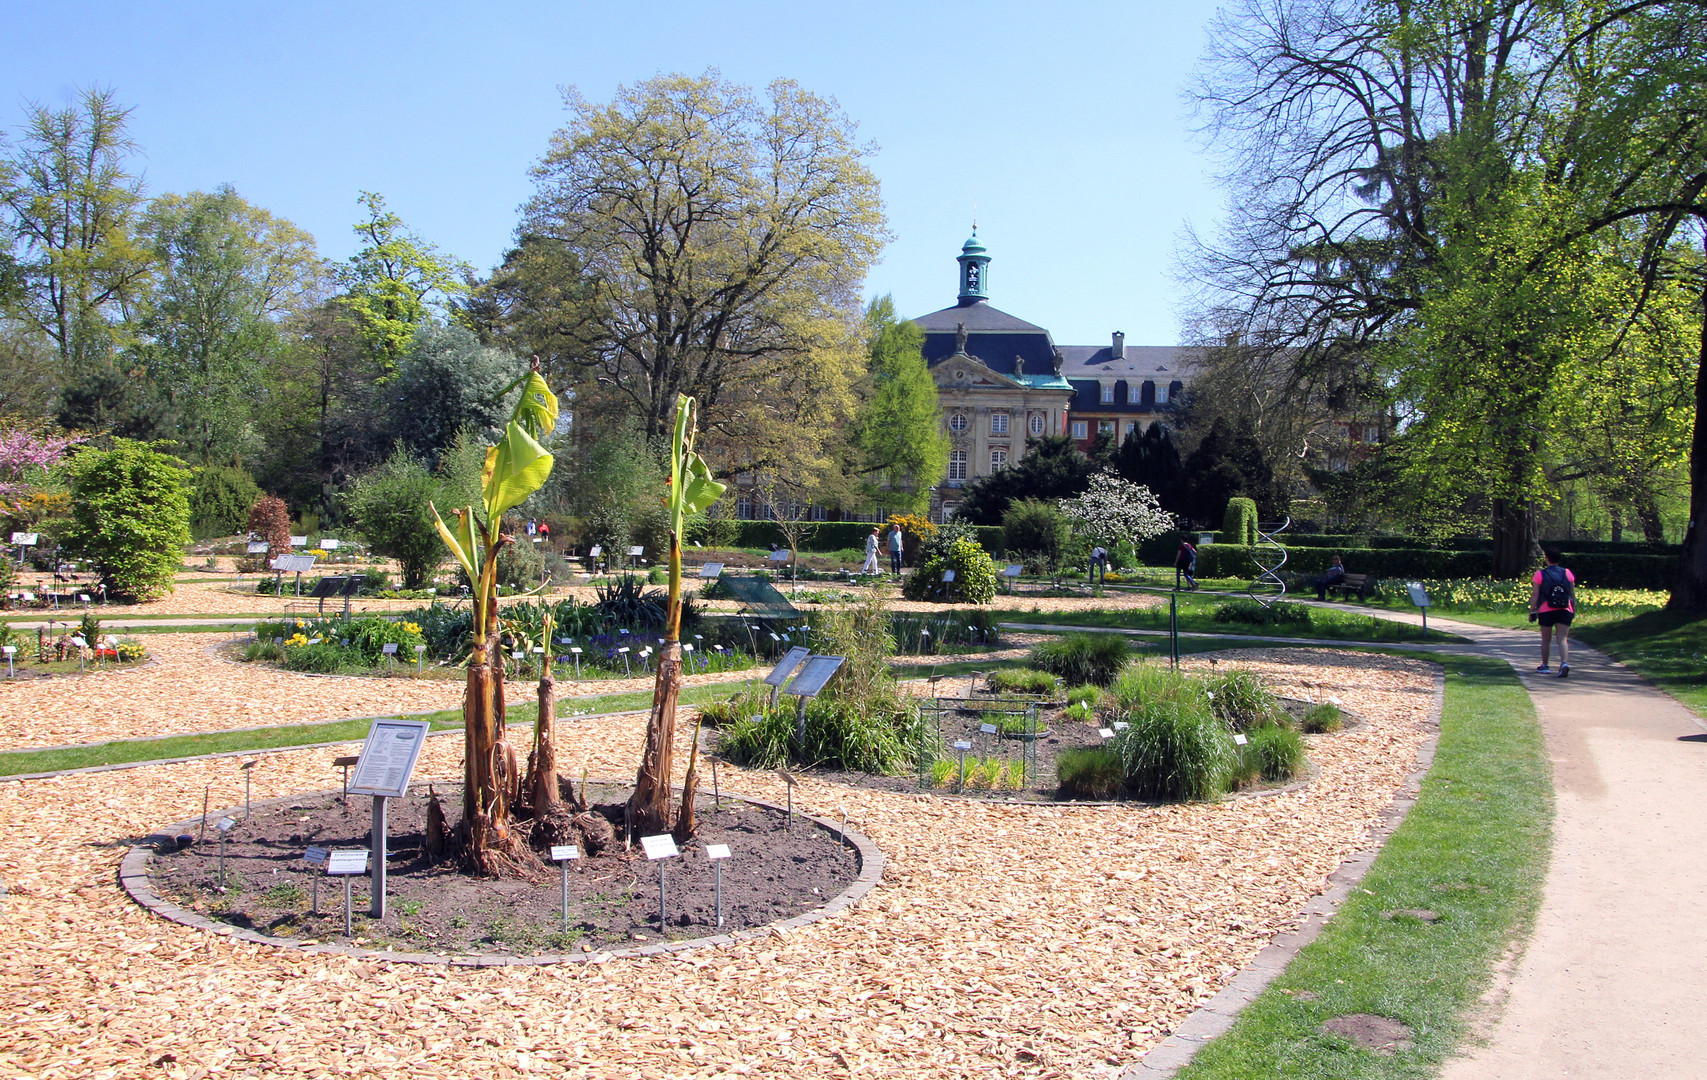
pixel 1003 941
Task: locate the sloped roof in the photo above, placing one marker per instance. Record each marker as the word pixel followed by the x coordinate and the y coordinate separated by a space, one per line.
pixel 1164 363
pixel 979 317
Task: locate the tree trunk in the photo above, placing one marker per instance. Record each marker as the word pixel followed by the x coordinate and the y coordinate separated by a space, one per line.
pixel 685 824
pixel 1617 513
pixel 649 806
pixel 1689 591
pixel 542 763
pixel 488 770
pixel 1515 543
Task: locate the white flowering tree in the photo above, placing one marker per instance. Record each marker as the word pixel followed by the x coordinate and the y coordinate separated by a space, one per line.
pixel 1114 509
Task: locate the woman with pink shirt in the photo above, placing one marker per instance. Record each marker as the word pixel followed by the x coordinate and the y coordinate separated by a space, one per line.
pixel 1553 604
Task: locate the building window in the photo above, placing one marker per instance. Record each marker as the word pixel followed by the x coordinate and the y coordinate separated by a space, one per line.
pixel 1105 427
pixel 1161 394
pixel 1078 429
pixel 1133 393
pixel 948 510
pixel 1108 393
pixel 1372 433
pixel 998 423
pixel 957 464
pixel 957 423
pixel 1037 423
pixel 820 513
pixel 744 508
pixel 998 460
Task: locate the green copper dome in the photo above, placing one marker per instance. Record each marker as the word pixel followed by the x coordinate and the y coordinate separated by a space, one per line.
pixel 972 245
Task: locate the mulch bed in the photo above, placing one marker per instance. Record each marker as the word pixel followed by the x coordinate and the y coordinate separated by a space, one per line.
pixel 774 872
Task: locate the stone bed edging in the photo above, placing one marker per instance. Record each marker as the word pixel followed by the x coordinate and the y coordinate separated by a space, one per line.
pixel 1215 1017
pixel 133 876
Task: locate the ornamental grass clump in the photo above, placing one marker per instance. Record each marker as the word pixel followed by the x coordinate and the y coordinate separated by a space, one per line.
pixel 1150 680
pixel 1240 701
pixel 1274 753
pixel 1090 772
pixel 1322 719
pixel 1086 694
pixel 838 736
pixel 1083 658
pixel 1175 750
pixel 1023 681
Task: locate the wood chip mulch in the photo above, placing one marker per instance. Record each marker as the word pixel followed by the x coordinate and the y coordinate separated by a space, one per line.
pixel 188 689
pixel 1003 941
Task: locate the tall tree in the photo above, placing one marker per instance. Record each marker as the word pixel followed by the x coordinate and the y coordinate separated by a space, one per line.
pixel 1053 468
pixel 67 206
pixel 727 238
pixel 396 282
pixel 899 447
pixel 1426 186
pixel 226 271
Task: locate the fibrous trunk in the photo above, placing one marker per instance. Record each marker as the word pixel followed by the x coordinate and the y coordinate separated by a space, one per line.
pixel 649 806
pixel 543 794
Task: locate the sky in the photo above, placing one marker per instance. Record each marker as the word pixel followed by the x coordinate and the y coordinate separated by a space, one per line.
pixel 1063 128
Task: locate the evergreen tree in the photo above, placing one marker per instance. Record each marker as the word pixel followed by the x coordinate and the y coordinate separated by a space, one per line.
pixel 1052 468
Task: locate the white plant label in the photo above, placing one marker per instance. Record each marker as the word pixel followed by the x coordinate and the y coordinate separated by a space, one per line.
pixel 565 853
pixel 962 744
pixel 717 851
pixel 225 824
pixel 662 846
pixel 1240 740
pixel 347 862
pixel 315 856
pixel 987 729
pixel 1107 733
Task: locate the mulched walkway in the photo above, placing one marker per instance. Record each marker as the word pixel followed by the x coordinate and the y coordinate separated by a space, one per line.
pixel 1003 940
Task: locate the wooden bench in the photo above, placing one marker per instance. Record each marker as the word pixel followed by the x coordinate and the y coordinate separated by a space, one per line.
pixel 1354 583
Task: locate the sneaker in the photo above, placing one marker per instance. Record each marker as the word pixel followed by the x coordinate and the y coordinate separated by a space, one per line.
pixel 1564 671
pixel 1543 670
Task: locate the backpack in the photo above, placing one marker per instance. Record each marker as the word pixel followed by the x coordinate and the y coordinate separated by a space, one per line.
pixel 1555 587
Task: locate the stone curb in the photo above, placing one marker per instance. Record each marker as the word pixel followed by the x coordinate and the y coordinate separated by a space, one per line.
pixel 133 875
pixel 1216 1016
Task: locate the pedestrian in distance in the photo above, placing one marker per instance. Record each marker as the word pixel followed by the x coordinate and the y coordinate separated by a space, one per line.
pixel 1185 564
pixel 1553 604
pixel 1099 564
pixel 1335 575
pixel 895 549
pixel 870 566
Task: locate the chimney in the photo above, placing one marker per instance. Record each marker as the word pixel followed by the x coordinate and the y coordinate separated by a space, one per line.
pixel 1118 350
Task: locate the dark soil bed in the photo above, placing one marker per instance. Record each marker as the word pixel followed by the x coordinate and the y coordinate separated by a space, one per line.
pixel 773 873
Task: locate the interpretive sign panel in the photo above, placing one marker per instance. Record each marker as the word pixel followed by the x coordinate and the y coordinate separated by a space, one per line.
pixel 636 551
pixel 299 541
pixel 711 570
pixel 785 667
pixel 1013 570
pixel 25 539
pixel 814 675
pixel 256 547
pixel 779 555
pixel 388 757
pixel 1419 596
pixel 329 544
pixel 294 564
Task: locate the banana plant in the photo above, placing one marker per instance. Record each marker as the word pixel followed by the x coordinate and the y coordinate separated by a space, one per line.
pixel 515 468
pixel 691 489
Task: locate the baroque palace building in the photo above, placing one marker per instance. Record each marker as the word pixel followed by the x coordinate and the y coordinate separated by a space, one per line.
pixel 1002 380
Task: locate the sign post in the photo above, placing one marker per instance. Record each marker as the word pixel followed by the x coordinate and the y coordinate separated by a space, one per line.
pixel 717 853
pixel 813 675
pixel 658 848
pixel 563 855
pixel 388 758
pixel 1419 597
pixel 316 857
pixel 224 827
pixel 784 668
pixel 347 864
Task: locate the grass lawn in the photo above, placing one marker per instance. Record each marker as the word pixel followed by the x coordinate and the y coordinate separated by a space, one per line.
pixel 1667 648
pixel 1473 849
pixel 17 762
pixel 1196 615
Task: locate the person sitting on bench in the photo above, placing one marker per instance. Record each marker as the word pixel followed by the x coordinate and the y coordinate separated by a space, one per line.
pixel 1335 576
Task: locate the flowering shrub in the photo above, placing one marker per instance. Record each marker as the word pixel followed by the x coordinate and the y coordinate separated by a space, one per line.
pixel 1115 509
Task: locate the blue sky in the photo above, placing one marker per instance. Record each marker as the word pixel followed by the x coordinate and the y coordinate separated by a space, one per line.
pixel 1063 125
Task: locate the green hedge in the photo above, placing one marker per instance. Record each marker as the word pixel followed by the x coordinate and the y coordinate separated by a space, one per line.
pixel 1611 547
pixel 838 535
pixel 1239 523
pixel 1592 570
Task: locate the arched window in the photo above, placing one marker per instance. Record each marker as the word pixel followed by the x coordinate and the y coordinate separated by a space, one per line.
pixel 1037 423
pixel 957 464
pixel 957 423
pixel 998 459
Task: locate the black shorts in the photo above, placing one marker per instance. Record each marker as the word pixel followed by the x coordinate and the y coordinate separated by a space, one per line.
pixel 1555 618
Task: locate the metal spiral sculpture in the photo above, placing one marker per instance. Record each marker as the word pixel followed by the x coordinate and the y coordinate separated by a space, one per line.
pixel 1268 587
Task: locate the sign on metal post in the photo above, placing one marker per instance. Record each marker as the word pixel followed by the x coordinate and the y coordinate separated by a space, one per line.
pixel 717 853
pixel 784 668
pixel 348 865
pixel 315 857
pixel 387 760
pixel 779 555
pixel 256 547
pixel 813 675
pixel 659 848
pixel 299 541
pixel 563 855
pixel 25 539
pixel 710 569
pixel 1419 597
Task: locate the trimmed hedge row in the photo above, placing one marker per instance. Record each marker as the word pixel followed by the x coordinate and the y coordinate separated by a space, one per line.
pixel 1593 570
pixel 838 535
